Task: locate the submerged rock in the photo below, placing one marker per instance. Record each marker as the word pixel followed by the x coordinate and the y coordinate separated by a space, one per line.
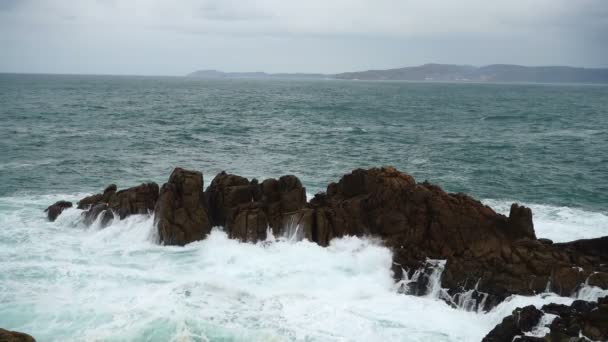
pixel 181 213
pixel 14 336
pixel 581 321
pixel 54 210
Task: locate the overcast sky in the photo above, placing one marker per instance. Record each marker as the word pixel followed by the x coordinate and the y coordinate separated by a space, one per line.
pixel 154 37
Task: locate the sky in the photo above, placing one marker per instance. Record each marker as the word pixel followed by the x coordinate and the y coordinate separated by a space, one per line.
pixel 154 37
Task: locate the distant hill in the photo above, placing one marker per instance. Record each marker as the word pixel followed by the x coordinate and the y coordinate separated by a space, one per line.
pixel 441 72
pixel 490 73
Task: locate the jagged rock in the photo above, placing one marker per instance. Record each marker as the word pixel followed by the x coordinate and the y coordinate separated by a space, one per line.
pixel 520 321
pixel 136 200
pixel 14 336
pixel 488 256
pixel 104 197
pixel 419 221
pixel 520 222
pixel 181 212
pixel 54 210
pixel 581 321
pixel 247 208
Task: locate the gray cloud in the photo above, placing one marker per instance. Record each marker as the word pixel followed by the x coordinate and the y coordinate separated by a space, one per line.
pixel 163 37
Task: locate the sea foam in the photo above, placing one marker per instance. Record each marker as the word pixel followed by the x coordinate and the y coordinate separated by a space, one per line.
pixel 64 281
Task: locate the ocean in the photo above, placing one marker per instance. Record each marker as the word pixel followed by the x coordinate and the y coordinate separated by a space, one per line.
pixel 67 136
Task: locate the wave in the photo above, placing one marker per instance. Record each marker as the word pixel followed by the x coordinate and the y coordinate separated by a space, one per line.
pixel 64 281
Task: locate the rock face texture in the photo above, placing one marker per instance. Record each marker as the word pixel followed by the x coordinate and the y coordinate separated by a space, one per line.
pixel 136 200
pixel 247 209
pixel 14 336
pixel 581 321
pixel 181 211
pixel 54 210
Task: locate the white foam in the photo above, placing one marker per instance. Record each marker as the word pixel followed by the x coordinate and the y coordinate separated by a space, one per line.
pixel 64 281
pixel 560 224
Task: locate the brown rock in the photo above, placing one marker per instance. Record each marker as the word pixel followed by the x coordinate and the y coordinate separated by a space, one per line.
pixel 181 212
pixel 500 254
pixel 14 336
pixel 247 209
pixel 488 255
pixel 136 200
pixel 520 222
pixel 520 321
pixel 54 210
pixel 581 321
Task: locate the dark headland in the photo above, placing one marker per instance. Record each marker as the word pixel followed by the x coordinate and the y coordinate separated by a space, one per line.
pixel 442 73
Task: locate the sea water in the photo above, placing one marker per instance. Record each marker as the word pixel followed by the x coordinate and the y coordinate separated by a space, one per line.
pixel 64 137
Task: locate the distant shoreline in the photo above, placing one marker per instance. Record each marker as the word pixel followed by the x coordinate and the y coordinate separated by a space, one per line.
pixel 600 79
pixel 496 73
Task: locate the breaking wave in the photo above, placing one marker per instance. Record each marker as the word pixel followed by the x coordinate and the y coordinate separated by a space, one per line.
pixel 64 281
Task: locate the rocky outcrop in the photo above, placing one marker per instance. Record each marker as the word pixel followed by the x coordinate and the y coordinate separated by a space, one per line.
pixel 522 320
pixel 181 212
pixel 486 252
pixel 581 321
pixel 247 209
pixel 112 203
pixel 484 256
pixel 14 336
pixel 54 210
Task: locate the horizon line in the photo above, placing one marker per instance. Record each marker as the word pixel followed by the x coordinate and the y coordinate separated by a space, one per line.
pixel 292 72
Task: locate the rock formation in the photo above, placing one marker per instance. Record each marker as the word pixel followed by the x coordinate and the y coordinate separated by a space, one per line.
pixel 247 208
pixel 14 336
pixel 181 212
pixel 136 200
pixel 484 256
pixel 56 209
pixel 581 321
pixel 494 254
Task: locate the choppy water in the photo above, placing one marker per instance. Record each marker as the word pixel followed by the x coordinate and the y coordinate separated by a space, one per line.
pixel 62 137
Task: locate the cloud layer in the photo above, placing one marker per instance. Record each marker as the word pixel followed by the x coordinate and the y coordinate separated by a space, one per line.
pixel 175 37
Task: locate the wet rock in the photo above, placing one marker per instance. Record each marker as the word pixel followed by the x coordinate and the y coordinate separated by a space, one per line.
pixel 181 213
pixel 419 221
pixel 488 256
pixel 54 210
pixel 247 209
pixel 580 321
pixel 520 222
pixel 121 204
pixel 14 336
pixel 101 211
pixel 520 321
pixel 104 197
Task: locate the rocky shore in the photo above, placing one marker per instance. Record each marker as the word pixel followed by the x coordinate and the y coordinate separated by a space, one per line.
pixel 581 321
pixel 484 257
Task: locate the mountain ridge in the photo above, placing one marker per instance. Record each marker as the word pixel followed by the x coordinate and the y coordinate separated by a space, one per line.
pixel 508 73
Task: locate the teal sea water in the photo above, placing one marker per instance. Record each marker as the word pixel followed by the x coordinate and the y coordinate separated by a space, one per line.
pixel 62 137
